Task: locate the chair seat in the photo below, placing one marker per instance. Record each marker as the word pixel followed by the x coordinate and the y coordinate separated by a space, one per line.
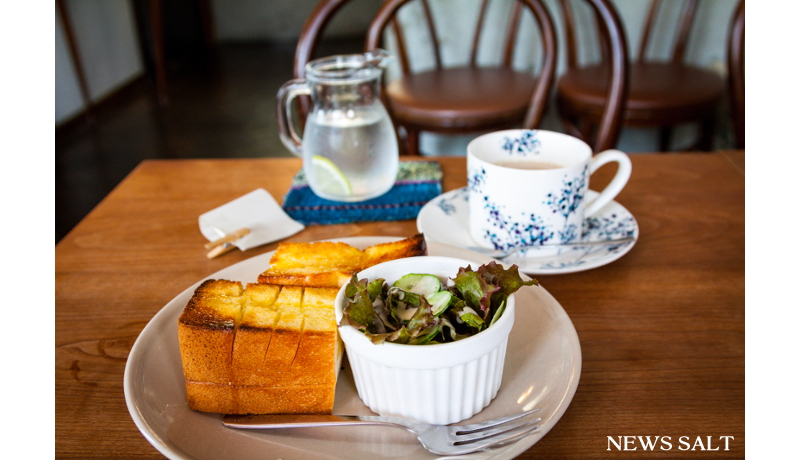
pixel 659 92
pixel 461 97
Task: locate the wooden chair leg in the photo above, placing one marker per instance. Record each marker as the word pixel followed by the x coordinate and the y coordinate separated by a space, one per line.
pixel 664 135
pixel 706 134
pixel 412 142
pixel 570 126
pixel 586 129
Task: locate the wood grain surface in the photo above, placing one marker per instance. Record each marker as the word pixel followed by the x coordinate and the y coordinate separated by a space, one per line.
pixel 661 329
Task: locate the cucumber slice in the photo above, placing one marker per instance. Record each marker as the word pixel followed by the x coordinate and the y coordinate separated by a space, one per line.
pixel 499 312
pixel 439 302
pixel 426 336
pixel 407 313
pixel 419 284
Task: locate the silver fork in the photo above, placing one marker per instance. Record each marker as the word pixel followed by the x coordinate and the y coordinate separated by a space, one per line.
pixel 438 439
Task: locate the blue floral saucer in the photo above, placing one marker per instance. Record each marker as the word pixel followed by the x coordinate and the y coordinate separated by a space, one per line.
pixel 445 219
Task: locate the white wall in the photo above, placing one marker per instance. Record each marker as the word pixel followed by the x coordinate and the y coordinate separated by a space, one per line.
pixel 69 101
pixel 106 36
pixel 707 39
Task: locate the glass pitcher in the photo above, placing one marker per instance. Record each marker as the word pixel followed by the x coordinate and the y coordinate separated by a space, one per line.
pixel 349 145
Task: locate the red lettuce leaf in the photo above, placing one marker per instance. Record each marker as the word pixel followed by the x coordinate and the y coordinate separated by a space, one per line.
pixel 382 313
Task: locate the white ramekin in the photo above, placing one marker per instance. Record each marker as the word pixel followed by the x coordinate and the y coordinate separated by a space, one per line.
pixel 438 384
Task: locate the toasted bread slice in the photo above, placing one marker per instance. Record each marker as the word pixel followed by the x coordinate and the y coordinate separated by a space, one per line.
pixel 328 264
pixel 322 264
pixel 265 349
pixel 332 279
pixel 259 318
pixel 292 342
pixel 286 334
pixel 274 347
pixel 206 331
pixel 318 257
pixel 409 247
pixel 235 399
pixel 320 350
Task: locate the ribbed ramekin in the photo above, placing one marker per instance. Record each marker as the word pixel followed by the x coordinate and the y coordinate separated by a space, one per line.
pixel 438 384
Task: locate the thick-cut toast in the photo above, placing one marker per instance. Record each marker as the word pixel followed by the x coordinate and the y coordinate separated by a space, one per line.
pixel 235 399
pixel 206 330
pixel 320 347
pixel 321 264
pixel 409 247
pixel 327 264
pixel 273 347
pixel 285 337
pixel 253 337
pixel 264 349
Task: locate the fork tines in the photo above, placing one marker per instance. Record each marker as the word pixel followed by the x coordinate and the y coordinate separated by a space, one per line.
pixel 486 431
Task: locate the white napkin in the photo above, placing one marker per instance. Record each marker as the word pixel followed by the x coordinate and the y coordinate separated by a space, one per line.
pixel 257 211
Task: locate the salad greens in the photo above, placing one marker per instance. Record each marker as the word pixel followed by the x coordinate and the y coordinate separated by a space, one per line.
pixel 419 309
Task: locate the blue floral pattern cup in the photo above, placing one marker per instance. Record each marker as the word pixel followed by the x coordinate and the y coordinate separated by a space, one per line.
pixel 528 187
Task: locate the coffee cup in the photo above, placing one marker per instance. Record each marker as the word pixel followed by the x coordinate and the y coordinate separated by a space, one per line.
pixel 529 188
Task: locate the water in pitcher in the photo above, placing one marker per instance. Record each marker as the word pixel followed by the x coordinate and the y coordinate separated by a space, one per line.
pixel 353 153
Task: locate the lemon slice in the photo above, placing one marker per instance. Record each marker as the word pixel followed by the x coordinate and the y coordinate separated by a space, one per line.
pixel 328 178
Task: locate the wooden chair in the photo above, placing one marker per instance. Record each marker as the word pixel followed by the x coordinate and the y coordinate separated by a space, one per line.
pixel 309 41
pixel 468 98
pixel 661 94
pixel 736 73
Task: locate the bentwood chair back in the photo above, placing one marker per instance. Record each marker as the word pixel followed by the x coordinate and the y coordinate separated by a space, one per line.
pixel 736 73
pixel 610 88
pixel 309 41
pixel 471 97
pixel 662 94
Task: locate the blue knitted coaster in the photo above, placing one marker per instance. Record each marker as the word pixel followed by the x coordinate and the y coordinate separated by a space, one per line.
pixel 417 183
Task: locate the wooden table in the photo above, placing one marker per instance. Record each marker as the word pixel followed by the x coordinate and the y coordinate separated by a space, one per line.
pixel 662 329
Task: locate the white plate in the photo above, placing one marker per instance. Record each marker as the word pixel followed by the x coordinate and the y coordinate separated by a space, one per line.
pixel 445 219
pixel 542 369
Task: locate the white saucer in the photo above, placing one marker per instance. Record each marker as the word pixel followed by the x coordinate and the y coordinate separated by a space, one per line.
pixel 445 219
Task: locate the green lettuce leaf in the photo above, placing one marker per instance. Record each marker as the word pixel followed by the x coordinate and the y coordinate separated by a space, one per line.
pixel 508 282
pixel 474 289
pixel 375 288
pixel 423 318
pixel 358 312
pixel 478 299
pixel 471 318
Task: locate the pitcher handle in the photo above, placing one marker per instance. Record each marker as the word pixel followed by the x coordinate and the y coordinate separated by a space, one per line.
pixel 286 95
pixel 616 184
